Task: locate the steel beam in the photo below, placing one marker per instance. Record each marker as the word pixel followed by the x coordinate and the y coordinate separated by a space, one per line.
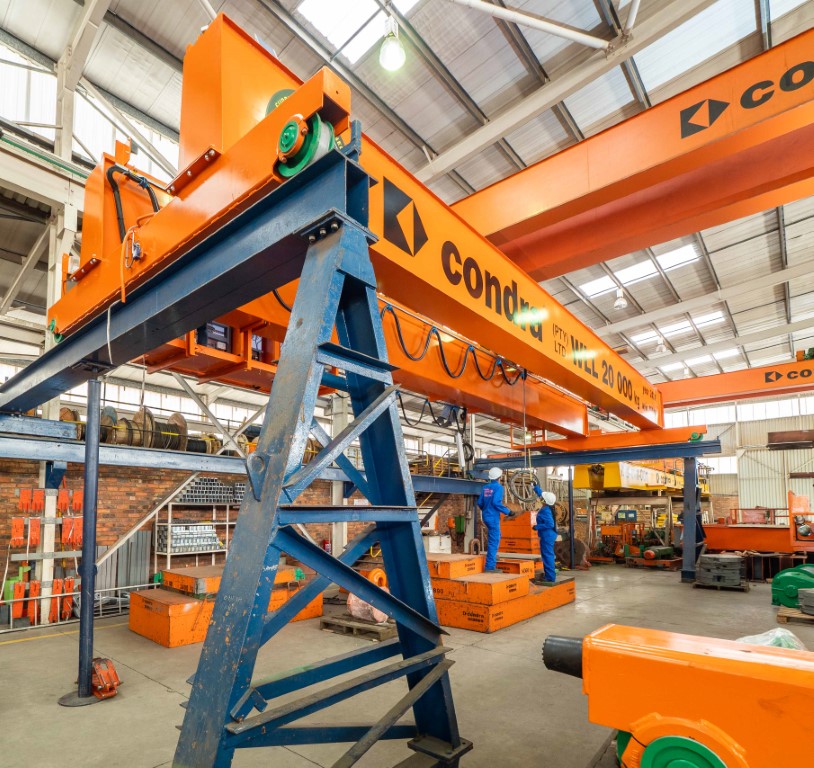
pixel 637 453
pixel 661 22
pixel 260 249
pixel 31 259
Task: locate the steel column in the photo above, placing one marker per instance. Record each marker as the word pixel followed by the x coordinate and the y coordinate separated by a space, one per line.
pixel 692 531
pixel 571 516
pixel 84 693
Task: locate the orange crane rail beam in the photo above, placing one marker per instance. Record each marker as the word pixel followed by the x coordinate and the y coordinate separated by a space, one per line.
pixel 598 441
pixel 737 144
pixel 767 381
pixel 426 257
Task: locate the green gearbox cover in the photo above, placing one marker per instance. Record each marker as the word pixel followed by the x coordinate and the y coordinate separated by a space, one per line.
pixel 787 584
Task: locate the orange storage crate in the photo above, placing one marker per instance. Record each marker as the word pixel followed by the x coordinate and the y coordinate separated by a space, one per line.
pixel 481 588
pixel 490 618
pixel 169 618
pixel 454 566
pixel 205 579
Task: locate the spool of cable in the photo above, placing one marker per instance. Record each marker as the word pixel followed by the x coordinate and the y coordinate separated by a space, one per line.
pixel 72 415
pixel 521 486
pixel 143 426
pixel 196 444
pixel 123 432
pixel 107 422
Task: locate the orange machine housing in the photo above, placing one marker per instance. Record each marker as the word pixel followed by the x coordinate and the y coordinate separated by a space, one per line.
pixel 443 268
pixel 748 704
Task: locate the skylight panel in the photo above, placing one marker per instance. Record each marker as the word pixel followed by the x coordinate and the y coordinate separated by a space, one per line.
pixel 643 338
pixel 671 367
pixel 699 360
pixel 676 328
pixel 640 271
pixel 678 257
pixel 341 20
pixel 711 319
pixel 726 354
pixel 599 286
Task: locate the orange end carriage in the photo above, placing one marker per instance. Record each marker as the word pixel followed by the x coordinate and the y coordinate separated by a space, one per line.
pixel 700 702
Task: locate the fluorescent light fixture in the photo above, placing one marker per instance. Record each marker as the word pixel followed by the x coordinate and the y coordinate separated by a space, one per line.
pixel 640 271
pixel 621 301
pixel 699 360
pixel 598 287
pixel 340 20
pixel 678 257
pixel 726 354
pixel 671 367
pixel 686 371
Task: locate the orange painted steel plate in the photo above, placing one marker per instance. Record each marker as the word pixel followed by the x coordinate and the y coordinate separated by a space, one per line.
pixel 481 588
pixel 521 567
pixel 754 538
pixel 783 379
pixel 737 144
pixel 454 566
pixel 745 702
pixel 490 618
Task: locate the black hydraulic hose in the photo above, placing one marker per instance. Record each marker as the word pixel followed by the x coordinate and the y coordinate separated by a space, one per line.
pixel 563 654
pixel 142 181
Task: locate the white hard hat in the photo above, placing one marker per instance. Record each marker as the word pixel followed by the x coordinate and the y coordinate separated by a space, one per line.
pixel 549 498
pixel 495 473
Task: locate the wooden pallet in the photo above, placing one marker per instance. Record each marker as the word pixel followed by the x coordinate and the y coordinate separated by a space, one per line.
pixel 786 615
pixel 345 625
pixel 673 564
pixel 744 586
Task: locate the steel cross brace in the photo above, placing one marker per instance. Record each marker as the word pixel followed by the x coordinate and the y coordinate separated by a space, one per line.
pixel 336 290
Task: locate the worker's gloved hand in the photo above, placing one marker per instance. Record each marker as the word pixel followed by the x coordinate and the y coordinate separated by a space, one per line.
pixel 511 515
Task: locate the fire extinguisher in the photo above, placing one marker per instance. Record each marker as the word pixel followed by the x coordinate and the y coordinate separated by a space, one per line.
pixel 326 545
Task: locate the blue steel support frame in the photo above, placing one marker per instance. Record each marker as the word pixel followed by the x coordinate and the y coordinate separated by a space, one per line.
pixel 337 290
pixel 693 535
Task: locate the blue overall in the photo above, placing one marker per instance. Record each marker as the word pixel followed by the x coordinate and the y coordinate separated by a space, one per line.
pixel 547 531
pixel 490 503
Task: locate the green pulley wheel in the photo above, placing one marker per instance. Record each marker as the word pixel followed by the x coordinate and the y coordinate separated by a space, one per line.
pixel 679 752
pixel 313 144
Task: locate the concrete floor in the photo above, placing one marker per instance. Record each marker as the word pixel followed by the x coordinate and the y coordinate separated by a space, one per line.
pixel 517 712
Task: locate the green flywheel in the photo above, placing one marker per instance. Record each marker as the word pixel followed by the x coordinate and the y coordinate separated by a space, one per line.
pixel 679 752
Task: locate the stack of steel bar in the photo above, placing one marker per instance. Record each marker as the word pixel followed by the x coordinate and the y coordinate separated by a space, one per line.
pixel 806 597
pixel 719 570
pixel 179 612
pixel 468 598
pixel 517 534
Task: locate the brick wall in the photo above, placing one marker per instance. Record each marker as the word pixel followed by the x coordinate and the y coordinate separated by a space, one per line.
pixel 723 505
pixel 126 495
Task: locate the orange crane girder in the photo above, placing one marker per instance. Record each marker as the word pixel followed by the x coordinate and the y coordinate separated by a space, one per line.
pixel 737 144
pixel 426 257
pixel 767 381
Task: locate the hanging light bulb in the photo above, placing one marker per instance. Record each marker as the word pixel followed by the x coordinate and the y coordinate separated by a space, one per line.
pixel 391 53
pixel 621 301
pixel 662 347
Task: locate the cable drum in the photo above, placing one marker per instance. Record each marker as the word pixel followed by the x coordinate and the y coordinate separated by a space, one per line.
pixel 107 423
pixel 521 486
pixel 122 433
pixel 72 415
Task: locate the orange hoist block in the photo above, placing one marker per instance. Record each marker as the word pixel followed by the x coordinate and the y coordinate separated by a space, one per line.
pixel 104 681
pixel 17 605
pixel 78 500
pixel 38 500
pixel 63 500
pixel 32 608
pixel 25 500
pixel 17 532
pixel 67 600
pixel 34 530
pixel 56 591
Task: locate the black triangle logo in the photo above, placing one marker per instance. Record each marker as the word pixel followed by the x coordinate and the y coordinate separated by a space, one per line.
pixel 395 202
pixel 772 376
pixel 701 116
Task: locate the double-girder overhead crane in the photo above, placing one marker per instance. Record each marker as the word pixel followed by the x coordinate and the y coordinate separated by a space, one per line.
pixel 282 201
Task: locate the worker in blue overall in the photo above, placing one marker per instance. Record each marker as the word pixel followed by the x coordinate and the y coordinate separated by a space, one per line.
pixel 490 503
pixel 547 531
